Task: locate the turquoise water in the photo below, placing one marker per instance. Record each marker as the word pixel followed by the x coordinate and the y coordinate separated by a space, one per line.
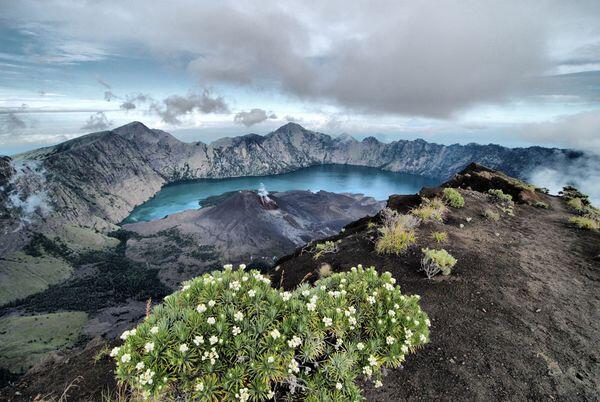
pixel 335 178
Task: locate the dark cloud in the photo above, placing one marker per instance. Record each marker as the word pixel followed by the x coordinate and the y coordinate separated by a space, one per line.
pixel 133 101
pixel 175 106
pixel 109 95
pixel 425 58
pixel 97 122
pixel 253 117
pixel 11 122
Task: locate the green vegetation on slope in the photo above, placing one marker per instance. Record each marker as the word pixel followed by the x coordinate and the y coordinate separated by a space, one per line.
pixel 22 275
pixel 26 340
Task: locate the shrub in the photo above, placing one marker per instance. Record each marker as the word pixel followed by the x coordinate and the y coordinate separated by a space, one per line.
pixel 230 336
pixel 491 215
pixel 540 204
pixel 454 198
pixel 439 237
pixel 499 195
pixel 583 222
pixel 325 248
pixel 431 210
pixel 394 240
pixel 576 204
pixel 325 270
pixel 436 261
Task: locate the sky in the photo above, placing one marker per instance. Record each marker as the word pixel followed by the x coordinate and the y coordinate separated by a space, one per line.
pixel 516 73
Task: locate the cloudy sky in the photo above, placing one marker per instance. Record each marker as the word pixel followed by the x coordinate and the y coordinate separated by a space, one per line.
pixel 515 73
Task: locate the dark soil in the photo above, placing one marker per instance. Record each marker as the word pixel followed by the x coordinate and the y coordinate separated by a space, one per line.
pixel 518 318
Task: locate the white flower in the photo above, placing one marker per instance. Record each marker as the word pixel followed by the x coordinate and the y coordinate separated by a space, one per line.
pixel 126 358
pixel 427 322
pixel 227 266
pixel 149 347
pixel 198 340
pixel 286 296
pixel 270 394
pixel 211 303
pixel 114 351
pixel 404 349
pixel 294 342
pixel 352 321
pixel 378 384
pixel 390 340
pixel 236 331
pixel 323 287
pixel 242 266
pixel 360 346
pixel 139 366
pixel 243 395
pixel 371 300
pixel 372 360
pixel 311 306
pixel 238 316
pixel 199 387
pixel 201 308
pixel 252 293
pixel 211 320
pixel 391 313
pixel 367 370
pixel 124 335
pixel 392 280
pixel 183 348
pixel 235 286
pixel 270 359
pixel 389 286
pixel 338 385
pixel 423 338
pixel 416 322
pixel 245 278
pixel 275 333
pixel 305 293
pixel 293 367
pixel 461 226
pixel 213 339
pixel 154 330
pixel 327 321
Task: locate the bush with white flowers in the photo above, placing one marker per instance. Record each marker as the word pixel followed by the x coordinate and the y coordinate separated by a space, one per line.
pixel 231 336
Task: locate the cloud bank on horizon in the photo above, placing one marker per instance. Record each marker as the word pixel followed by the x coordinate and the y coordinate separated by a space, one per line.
pixel 458 71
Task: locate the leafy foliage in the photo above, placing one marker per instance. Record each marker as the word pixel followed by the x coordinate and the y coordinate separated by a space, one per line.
pixel 325 248
pixel 454 198
pixel 583 222
pixel 230 336
pixel 439 237
pixel 540 204
pixel 435 261
pixel 431 210
pixel 491 215
pixel 499 195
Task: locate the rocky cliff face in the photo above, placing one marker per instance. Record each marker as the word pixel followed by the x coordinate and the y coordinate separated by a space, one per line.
pixel 97 179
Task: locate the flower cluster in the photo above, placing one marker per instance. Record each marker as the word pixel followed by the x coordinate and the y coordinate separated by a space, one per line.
pixel 230 336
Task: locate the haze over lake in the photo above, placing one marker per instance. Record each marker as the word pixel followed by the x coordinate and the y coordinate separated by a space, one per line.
pixel 372 182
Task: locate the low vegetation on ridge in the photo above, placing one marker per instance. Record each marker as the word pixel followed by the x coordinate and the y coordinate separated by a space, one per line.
pixel 231 336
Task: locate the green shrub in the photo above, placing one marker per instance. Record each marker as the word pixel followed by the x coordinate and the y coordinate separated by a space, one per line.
pixel 439 237
pixel 325 248
pixel 576 204
pixel 230 336
pixel 454 198
pixel 394 240
pixel 540 204
pixel 583 222
pixel 491 215
pixel 431 210
pixel 499 195
pixel 436 261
